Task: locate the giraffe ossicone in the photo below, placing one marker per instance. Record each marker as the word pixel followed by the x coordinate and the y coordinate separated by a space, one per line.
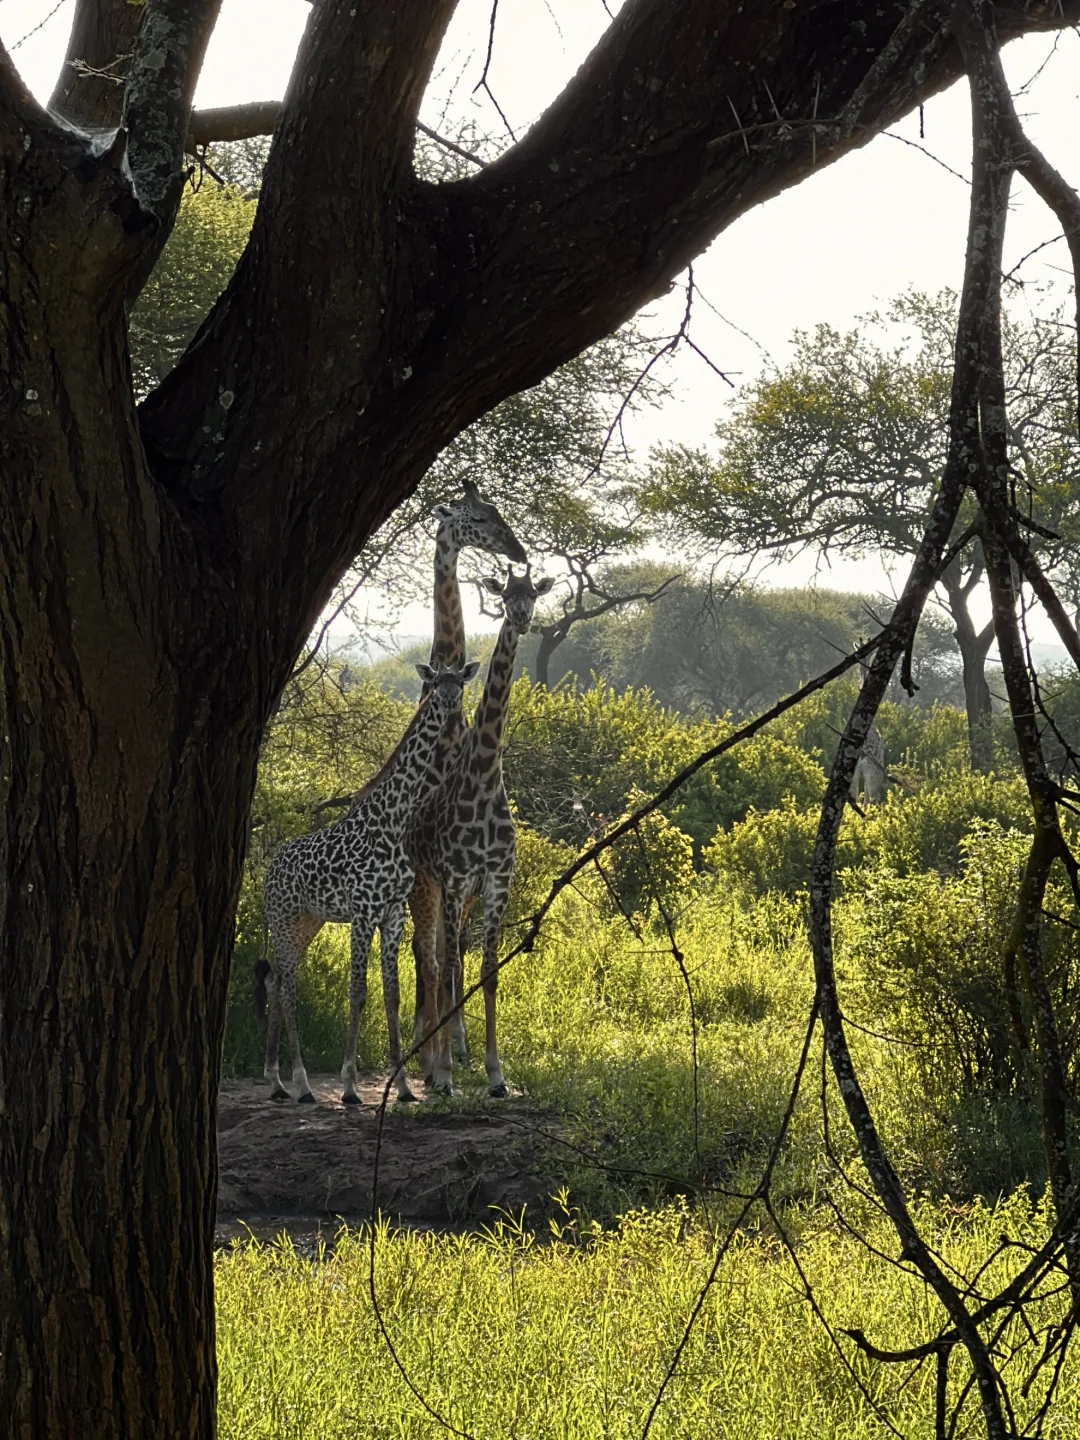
pixel 461 842
pixel 354 872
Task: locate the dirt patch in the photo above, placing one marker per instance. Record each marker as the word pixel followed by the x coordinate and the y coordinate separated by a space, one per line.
pixel 305 1168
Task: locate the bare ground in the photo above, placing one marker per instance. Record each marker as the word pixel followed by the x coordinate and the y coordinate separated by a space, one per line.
pixel 307 1168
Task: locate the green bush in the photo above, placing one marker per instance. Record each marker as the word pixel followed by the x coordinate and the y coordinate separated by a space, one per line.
pixel 911 833
pixel 574 757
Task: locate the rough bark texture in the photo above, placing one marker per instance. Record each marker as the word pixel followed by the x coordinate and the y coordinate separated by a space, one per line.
pixel 159 572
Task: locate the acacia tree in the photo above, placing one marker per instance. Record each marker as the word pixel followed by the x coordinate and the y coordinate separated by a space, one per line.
pixel 161 565
pixel 844 448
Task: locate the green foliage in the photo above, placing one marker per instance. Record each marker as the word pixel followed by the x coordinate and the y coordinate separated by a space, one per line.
pixel 912 833
pixel 206 243
pixel 843 448
pixel 708 652
pixel 573 758
pixel 650 871
pixel 926 953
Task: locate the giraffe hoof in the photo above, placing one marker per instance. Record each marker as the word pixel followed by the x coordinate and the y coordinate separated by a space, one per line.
pixel 280 1094
pixel 351 1098
pixel 499 1092
pixel 306 1099
pixel 407 1099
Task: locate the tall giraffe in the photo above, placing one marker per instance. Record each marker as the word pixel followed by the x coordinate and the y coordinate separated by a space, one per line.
pixel 468 523
pixel 461 843
pixel 354 872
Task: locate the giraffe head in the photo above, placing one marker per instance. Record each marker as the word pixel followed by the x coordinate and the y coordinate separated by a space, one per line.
pixel 472 522
pixel 447 685
pixel 519 596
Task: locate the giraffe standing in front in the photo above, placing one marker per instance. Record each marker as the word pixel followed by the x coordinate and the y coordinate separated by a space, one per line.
pixel 468 523
pixel 355 872
pixel 461 843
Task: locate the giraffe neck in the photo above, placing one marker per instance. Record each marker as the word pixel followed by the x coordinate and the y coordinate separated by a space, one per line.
pixel 403 788
pixel 490 721
pixel 448 645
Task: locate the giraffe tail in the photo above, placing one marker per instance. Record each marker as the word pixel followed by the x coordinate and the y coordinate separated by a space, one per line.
pixel 262 970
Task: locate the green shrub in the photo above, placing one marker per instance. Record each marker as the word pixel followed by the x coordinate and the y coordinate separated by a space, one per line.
pixel 911 833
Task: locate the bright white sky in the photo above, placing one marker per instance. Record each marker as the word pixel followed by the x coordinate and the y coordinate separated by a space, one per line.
pixel 885 219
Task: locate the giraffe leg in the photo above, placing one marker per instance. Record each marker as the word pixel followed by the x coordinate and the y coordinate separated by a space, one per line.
pixel 496 896
pixel 291 939
pixel 418 1009
pixel 459 1042
pixel 393 922
pixel 441 1067
pixel 271 1070
pixel 361 930
pixel 424 904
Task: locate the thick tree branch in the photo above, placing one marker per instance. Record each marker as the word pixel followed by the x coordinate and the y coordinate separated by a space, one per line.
pixel 260 117
pixel 619 184
pixel 157 98
pixel 232 122
pixel 89 90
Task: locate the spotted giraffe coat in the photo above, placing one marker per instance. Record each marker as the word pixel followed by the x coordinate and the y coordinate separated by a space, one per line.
pixel 461 842
pixel 355 872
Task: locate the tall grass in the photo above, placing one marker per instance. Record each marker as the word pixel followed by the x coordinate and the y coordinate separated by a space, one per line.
pixel 571 1339
pixel 595 1026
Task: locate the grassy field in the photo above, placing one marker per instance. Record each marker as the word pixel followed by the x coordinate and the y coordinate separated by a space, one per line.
pixel 524 1334
pixel 569 1338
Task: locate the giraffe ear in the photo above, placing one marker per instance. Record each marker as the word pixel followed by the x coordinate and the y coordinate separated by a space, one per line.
pixel 470 670
pixel 543 586
pixel 426 673
pixel 442 512
pixel 493 586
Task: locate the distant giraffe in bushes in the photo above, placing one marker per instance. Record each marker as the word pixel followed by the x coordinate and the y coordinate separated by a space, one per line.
pixel 870 772
pixel 354 872
pixel 461 843
pixel 468 523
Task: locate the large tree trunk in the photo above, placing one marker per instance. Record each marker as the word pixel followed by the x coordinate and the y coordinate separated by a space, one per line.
pixel 129 731
pixel 159 573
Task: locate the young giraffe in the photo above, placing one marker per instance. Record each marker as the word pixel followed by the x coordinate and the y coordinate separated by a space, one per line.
pixel 461 843
pixel 469 523
pixel 354 872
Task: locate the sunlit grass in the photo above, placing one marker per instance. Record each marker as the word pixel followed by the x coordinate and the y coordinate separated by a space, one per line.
pixel 570 1338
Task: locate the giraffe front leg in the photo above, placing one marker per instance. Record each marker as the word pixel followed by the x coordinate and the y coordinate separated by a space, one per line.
pixel 496 896
pixel 361 930
pixel 393 923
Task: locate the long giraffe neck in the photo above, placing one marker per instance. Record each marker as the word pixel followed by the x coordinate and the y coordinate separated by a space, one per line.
pixel 403 788
pixel 490 721
pixel 448 646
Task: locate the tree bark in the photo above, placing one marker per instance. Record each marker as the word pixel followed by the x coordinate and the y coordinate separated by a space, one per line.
pixel 974 646
pixel 159 571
